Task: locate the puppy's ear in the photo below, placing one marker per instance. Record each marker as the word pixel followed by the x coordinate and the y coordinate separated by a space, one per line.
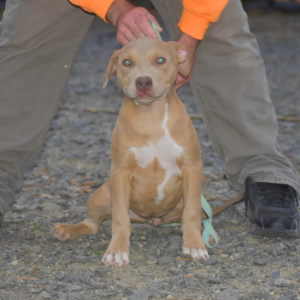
pixel 182 57
pixel 111 68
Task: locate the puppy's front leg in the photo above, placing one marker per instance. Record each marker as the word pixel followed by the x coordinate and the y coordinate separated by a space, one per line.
pixel 191 218
pixel 118 249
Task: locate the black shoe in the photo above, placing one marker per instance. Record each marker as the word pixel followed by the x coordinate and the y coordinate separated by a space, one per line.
pixel 272 209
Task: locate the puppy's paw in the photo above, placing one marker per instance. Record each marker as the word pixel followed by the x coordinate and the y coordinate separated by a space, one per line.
pixel 193 245
pixel 61 231
pixel 196 253
pixel 117 253
pixel 118 260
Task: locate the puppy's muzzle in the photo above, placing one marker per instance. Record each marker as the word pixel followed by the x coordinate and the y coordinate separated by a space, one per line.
pixel 143 84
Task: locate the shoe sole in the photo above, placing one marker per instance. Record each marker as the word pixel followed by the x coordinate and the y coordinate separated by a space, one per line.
pixel 272 232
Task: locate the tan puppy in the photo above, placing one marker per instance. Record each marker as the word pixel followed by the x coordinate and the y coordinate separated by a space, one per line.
pixel 156 171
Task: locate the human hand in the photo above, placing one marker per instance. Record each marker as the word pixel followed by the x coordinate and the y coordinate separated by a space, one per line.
pixel 130 21
pixel 191 45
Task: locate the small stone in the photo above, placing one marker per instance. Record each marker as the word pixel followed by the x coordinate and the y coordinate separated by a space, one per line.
pixel 128 292
pixel 141 295
pixel 152 258
pixel 260 261
pixel 82 259
pixel 275 274
pixel 164 260
pixel 281 282
pixel 175 241
pixel 228 294
pixel 17 207
pixel 5 255
pixel 288 297
pixel 98 285
pixel 232 273
pixel 212 261
pixel 192 282
pixel 224 255
pixel 101 272
pixel 163 294
pixel 36 249
pixel 282 246
pixel 85 278
pixel 235 221
pixel 46 295
pixel 14 262
pixel 72 278
pixel 81 90
pixel 108 294
pixel 214 280
pixel 7 284
pixel 174 271
pixel 62 295
pixel 60 276
pixel 73 288
pixel 73 295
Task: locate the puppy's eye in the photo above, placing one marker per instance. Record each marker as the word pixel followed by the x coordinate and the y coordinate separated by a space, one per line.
pixel 127 62
pixel 160 60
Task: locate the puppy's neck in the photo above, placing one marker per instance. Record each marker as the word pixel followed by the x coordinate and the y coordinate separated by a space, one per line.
pixel 148 118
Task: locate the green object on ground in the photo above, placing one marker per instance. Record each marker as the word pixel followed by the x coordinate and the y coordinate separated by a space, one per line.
pixel 95 251
pixel 207 224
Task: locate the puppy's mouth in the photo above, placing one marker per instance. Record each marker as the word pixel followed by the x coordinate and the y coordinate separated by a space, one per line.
pixel 145 97
pixel 144 100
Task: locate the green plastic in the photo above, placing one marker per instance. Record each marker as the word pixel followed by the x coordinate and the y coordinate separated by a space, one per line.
pixel 207 224
pixel 154 26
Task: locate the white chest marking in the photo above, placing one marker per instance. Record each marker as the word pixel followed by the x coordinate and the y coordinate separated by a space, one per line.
pixel 166 150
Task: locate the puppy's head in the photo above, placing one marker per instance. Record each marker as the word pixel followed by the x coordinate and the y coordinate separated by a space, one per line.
pixel 147 68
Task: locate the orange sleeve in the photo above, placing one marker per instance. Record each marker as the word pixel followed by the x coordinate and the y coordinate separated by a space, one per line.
pixel 197 14
pixel 98 7
pixel 195 18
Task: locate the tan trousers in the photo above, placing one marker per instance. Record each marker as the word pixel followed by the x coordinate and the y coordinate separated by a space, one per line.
pixel 39 42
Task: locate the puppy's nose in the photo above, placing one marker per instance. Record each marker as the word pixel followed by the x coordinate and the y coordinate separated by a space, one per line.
pixel 143 83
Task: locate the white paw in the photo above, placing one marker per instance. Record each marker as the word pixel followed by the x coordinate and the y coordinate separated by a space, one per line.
pixel 196 253
pixel 119 260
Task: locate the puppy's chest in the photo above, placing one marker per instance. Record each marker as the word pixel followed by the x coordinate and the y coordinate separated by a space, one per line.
pixel 164 152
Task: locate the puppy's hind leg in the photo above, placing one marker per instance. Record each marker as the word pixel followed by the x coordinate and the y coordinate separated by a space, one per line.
pixel 98 208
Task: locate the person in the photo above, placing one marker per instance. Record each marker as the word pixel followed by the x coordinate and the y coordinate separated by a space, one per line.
pixel 38 45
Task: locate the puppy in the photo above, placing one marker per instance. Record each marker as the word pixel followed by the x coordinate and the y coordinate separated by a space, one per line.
pixel 156 170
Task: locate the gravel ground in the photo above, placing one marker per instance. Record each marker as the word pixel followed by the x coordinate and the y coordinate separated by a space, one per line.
pixel 76 160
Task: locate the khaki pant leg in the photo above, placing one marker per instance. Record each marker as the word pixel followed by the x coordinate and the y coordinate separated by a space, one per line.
pixel 39 41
